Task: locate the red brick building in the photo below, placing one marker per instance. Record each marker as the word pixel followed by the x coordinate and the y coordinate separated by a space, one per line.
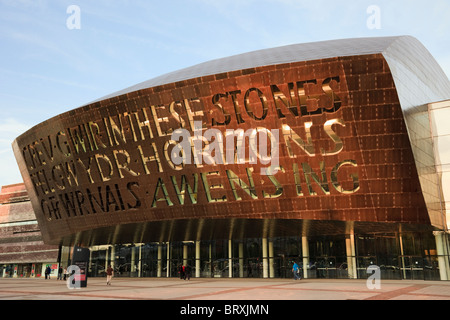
pixel 22 251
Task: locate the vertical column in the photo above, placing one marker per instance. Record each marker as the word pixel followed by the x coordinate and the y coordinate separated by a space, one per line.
pixel 264 258
pixel 65 252
pixel 442 255
pixel 185 254
pixel 230 258
pixel 403 257
pixel 241 259
pixel 445 244
pixel 133 260
pixel 107 258
pixel 211 269
pixel 271 266
pixel 168 260
pixel 305 254
pixel 351 258
pixel 66 263
pixel 159 263
pixel 113 256
pixel 197 259
pixel 140 260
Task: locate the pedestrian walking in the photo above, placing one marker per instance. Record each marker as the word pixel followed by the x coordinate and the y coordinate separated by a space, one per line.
pixel 109 275
pixel 296 271
pixel 65 274
pixel 60 273
pixel 187 272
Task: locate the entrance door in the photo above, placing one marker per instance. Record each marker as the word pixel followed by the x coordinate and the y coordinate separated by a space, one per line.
pixel 411 267
pixel 363 264
pixel 326 267
pixel 254 268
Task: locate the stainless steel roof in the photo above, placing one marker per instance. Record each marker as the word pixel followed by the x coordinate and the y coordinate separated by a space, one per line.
pixel 285 54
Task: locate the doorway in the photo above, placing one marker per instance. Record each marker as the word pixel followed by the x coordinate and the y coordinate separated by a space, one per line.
pixel 411 267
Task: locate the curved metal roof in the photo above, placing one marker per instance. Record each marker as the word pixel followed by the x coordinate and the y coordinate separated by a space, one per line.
pixel 280 55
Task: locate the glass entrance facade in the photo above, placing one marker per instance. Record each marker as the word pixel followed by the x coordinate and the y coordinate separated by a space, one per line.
pixel 20 270
pixel 399 256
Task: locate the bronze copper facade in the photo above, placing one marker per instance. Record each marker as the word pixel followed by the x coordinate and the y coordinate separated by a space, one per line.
pixel 103 173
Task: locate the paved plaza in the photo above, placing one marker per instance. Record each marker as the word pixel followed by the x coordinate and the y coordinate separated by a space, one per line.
pixel 222 289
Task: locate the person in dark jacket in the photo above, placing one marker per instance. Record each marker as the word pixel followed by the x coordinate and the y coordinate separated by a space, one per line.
pixel 187 271
pixel 47 272
pixel 181 271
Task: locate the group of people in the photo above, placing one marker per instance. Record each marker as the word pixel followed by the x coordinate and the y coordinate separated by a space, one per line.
pixel 185 272
pixel 62 273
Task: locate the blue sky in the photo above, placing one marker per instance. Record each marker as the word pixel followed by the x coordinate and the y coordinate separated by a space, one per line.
pixel 47 68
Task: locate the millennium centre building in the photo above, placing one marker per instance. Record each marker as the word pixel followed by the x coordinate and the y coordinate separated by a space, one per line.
pixel 330 154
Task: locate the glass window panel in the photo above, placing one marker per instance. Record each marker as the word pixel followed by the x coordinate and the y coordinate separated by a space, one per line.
pixel 439 120
pixel 442 143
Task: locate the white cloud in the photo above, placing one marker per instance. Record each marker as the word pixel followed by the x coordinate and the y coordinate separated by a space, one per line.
pixel 12 126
